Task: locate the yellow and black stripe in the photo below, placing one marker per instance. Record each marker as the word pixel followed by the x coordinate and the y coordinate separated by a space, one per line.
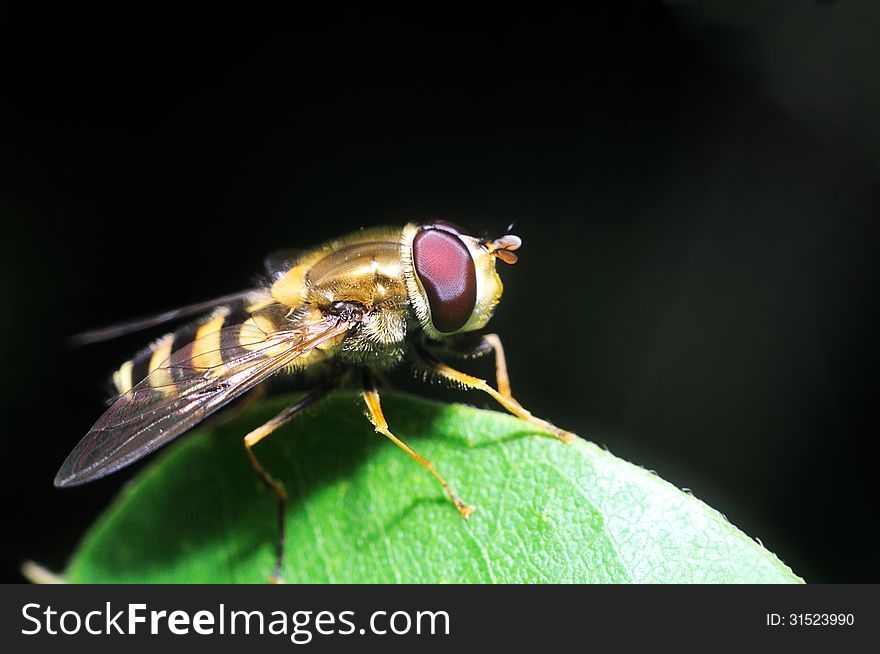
pixel 236 332
pixel 197 338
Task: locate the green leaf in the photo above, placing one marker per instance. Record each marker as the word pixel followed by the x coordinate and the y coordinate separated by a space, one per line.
pixel 362 511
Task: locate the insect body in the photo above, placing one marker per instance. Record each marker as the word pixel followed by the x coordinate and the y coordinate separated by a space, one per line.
pixel 355 306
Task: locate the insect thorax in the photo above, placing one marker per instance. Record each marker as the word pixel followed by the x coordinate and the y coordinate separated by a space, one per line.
pixel 365 275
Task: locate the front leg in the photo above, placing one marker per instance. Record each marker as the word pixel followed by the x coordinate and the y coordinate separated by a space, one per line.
pixel 471 346
pixel 434 366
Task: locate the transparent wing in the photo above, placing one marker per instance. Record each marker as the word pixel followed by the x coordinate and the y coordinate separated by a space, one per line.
pixel 192 383
pixel 100 334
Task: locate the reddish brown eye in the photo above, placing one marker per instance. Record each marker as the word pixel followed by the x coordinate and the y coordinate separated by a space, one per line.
pixel 446 270
pixel 447 226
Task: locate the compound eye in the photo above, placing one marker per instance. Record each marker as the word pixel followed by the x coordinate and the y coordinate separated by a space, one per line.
pixel 446 226
pixel 448 275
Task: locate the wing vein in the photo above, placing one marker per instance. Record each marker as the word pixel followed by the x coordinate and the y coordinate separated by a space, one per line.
pixel 156 411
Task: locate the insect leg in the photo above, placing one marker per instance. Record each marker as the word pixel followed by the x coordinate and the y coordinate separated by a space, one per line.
pixel 444 371
pixel 470 346
pixel 270 482
pixel 500 365
pixel 374 413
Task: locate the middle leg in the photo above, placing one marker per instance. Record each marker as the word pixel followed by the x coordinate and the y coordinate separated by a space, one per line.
pixel 374 413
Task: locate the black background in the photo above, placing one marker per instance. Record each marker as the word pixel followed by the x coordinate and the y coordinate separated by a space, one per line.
pixel 696 188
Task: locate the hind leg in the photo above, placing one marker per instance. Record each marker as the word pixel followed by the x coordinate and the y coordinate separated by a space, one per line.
pixel 275 486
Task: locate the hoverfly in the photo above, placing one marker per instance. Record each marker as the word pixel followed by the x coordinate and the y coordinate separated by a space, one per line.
pixel 355 306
